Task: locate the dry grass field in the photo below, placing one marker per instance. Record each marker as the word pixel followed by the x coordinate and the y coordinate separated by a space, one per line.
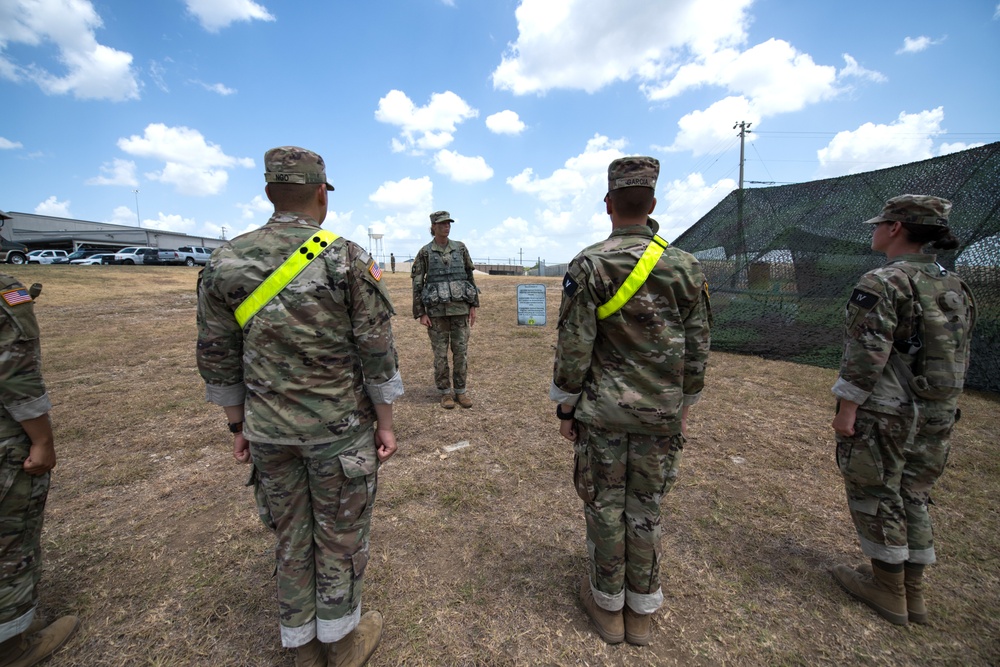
pixel 153 540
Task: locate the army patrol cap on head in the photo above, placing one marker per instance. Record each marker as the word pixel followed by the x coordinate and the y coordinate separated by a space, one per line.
pixel 440 216
pixel 291 164
pixel 632 172
pixel 915 210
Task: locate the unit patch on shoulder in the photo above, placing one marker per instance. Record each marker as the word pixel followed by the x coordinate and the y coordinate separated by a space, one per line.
pixel 16 296
pixel 569 285
pixel 374 269
pixel 863 300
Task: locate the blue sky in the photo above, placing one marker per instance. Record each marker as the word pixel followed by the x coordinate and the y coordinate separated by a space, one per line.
pixel 504 112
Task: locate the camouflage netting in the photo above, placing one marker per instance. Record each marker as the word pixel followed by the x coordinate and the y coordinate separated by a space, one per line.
pixel 781 262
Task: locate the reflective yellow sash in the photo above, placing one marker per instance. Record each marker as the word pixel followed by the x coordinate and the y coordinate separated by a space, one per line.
pixel 283 275
pixel 635 279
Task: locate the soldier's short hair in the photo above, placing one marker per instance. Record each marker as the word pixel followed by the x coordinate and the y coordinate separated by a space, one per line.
pixel 632 202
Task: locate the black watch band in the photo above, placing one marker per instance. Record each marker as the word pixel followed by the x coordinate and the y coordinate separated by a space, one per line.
pixel 236 427
pixel 565 416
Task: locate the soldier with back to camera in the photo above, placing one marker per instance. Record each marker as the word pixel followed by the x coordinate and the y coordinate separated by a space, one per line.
pixel 295 343
pixel 632 347
pixel 906 354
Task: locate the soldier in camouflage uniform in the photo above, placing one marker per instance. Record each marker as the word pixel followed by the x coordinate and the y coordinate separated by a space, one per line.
pixel 445 299
pixel 905 358
pixel 307 385
pixel 628 367
pixel 27 455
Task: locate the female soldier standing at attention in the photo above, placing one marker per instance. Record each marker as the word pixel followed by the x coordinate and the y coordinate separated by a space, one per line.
pixel 906 355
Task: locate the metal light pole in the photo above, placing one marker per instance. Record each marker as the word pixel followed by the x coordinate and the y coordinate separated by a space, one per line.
pixel 138 220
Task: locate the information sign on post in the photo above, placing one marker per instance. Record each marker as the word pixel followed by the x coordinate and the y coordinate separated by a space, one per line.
pixel 531 305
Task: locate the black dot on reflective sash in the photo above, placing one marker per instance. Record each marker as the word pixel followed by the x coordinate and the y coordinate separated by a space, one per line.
pixel 322 244
pixel 310 256
pixel 315 239
pixel 303 250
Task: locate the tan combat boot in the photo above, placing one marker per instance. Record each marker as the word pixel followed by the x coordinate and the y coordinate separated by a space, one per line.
pixel 609 624
pixel 358 646
pixel 464 400
pixel 447 402
pixel 27 649
pixel 637 630
pixel 913 581
pixel 312 654
pixel 882 591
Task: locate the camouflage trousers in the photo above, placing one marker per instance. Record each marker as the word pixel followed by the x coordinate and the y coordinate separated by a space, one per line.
pixel 621 478
pixel 453 330
pixel 22 502
pixel 318 499
pixel 888 475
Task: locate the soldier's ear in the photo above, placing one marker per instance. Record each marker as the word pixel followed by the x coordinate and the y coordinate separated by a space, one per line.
pixel 652 206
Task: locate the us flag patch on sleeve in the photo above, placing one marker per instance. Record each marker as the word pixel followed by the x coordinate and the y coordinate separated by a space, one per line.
pixel 16 296
pixel 374 270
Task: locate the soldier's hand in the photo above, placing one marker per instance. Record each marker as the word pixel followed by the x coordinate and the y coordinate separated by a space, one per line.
pixel 241 448
pixel 425 320
pixel 41 458
pixel 385 444
pixel 843 421
pixel 567 429
pixel 472 316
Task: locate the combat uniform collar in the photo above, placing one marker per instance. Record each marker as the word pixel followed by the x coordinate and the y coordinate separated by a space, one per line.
pixel 442 248
pixel 633 230
pixel 918 258
pixel 292 217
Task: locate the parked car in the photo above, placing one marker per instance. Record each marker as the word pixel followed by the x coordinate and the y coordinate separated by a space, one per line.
pixel 46 256
pixel 13 252
pixel 193 254
pixel 163 256
pixel 107 258
pixel 133 255
pixel 81 253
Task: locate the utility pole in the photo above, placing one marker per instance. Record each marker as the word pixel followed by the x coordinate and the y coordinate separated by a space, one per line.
pixel 744 131
pixel 138 221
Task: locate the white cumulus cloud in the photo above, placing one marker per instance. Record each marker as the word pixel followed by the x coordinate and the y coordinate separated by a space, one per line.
pixel 91 70
pixel 588 44
pixel 192 165
pixel 52 206
pixel 116 172
pixel 430 127
pixel 405 194
pixel 462 168
pixel 214 15
pixel 218 88
pixel 7 144
pixel 505 122
pixel 874 146
pixel 170 223
pixel 256 207
pixel 580 174
pixel 917 44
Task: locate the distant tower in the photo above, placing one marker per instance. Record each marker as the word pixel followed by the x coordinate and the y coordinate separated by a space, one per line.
pixel 375 245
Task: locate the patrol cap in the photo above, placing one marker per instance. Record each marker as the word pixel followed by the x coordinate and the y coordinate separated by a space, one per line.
pixel 291 164
pixel 440 216
pixel 631 172
pixel 915 210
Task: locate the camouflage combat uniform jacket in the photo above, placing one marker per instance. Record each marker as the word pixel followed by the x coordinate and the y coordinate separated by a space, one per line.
pixel 449 273
pixel 633 371
pixel 880 314
pixel 310 363
pixel 22 392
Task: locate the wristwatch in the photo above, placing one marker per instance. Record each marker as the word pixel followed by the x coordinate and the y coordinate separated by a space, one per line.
pixel 236 427
pixel 565 416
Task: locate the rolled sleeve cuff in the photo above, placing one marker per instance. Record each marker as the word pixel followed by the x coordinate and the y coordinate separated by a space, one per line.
pixel 849 392
pixel 691 399
pixel 226 395
pixel 386 392
pixel 36 407
pixel 559 396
